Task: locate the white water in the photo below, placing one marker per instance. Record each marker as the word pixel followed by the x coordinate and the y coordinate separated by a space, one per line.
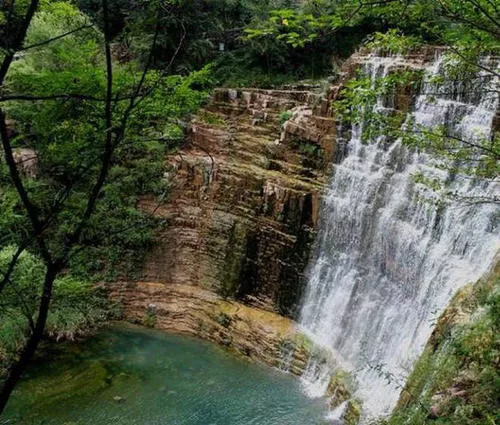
pixel 387 262
pixel 338 413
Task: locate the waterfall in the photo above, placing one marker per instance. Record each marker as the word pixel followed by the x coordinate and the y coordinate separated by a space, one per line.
pixel 388 260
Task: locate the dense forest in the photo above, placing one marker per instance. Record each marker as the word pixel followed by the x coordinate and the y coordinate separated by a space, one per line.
pixel 95 94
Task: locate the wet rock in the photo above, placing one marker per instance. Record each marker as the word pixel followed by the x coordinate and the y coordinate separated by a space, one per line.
pixel 258 334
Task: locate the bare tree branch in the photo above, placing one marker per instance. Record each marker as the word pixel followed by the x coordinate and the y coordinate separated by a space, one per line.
pixel 65 96
pixel 50 40
pixel 23 194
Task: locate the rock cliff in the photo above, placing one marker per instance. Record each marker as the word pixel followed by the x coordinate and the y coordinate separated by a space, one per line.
pixel 242 213
pixel 245 195
pixel 257 334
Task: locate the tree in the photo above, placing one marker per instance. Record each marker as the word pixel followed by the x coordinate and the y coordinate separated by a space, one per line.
pixel 98 129
pixel 469 29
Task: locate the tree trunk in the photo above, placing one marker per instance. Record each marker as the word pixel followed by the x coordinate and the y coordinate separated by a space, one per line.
pixel 29 349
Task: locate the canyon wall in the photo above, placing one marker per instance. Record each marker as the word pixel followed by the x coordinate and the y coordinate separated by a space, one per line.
pixel 242 214
pixel 245 194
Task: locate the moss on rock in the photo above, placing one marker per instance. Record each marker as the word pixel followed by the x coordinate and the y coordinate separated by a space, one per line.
pixel 457 378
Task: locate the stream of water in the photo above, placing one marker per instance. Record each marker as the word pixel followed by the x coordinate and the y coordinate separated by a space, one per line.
pixel 388 259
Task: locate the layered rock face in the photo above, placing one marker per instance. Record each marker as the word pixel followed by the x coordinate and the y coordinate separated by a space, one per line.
pixel 242 214
pixel 188 309
pixel 245 195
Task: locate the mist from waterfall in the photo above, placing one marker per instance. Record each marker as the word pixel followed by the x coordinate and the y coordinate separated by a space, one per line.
pixel 388 260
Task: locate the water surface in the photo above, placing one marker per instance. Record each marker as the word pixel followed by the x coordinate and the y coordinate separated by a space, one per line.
pixel 134 376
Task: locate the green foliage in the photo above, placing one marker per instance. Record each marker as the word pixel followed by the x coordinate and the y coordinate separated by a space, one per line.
pixel 360 95
pixel 315 20
pixel 458 373
pixel 223 319
pixel 64 127
pixel 393 41
pixel 295 28
pixel 308 149
pixel 271 69
pixel 477 158
pixel 295 41
pixel 441 22
pixel 67 136
pixel 285 116
pixel 149 319
pixel 208 117
pixel 76 306
pixel 189 31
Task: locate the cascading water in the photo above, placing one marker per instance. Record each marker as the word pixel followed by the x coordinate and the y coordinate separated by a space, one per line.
pixel 387 260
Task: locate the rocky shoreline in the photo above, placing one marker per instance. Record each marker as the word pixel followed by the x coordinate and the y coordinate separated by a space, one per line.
pixel 186 309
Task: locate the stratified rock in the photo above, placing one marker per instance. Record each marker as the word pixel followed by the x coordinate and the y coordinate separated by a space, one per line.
pixel 257 334
pixel 244 198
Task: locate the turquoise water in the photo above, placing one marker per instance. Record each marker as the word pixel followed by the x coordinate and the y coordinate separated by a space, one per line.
pixel 134 376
